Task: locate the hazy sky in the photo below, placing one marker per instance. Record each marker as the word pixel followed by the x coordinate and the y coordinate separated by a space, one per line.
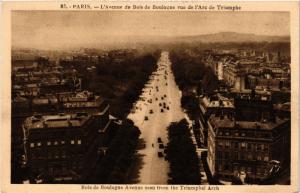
pixel 62 29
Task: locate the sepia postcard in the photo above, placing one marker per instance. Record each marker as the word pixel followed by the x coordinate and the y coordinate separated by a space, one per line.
pixel 149 96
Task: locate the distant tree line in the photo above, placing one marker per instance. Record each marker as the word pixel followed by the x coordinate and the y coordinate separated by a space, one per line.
pixel 189 72
pixel 181 153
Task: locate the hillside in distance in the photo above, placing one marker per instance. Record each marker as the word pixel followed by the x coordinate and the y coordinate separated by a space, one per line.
pixel 233 37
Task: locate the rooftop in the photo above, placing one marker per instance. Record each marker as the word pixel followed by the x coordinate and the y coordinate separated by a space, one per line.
pixel 56 121
pixel 227 122
pixel 217 101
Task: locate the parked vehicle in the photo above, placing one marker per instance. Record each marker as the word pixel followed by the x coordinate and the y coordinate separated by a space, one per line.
pixel 161 146
pixel 159 140
pixel 160 154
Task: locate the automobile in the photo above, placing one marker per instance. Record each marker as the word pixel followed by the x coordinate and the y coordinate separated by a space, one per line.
pixel 165 95
pixel 151 111
pixel 168 108
pixel 159 104
pixel 161 146
pixel 160 154
pixel 146 118
pixel 161 110
pixel 159 140
pixel 162 98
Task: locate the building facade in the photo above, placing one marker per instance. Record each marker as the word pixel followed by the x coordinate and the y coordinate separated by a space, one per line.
pixel 243 147
pixel 64 147
pixel 209 105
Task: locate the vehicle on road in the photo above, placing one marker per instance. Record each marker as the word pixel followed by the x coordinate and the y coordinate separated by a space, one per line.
pixel 161 110
pixel 159 140
pixel 160 154
pixel 161 146
pixel 146 118
pixel 159 104
pixel 168 108
pixel 151 111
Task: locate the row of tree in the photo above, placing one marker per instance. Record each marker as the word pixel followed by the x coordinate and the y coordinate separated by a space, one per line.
pixel 189 72
pixel 113 167
pixel 181 153
pixel 120 81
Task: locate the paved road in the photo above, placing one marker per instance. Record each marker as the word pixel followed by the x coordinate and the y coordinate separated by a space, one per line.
pixel 160 89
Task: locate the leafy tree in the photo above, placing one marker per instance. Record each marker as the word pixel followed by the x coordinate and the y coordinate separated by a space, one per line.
pixel 181 153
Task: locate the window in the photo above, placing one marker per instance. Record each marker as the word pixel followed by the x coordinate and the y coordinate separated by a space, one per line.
pixel 236 134
pixel 249 156
pixel 63 154
pixel 220 144
pixel 235 155
pixel 79 142
pixel 249 146
pixel 266 147
pixel 72 142
pixel 219 155
pixel 62 142
pixel 243 134
pixel 220 167
pixel 227 133
pixel 259 157
pixel 236 145
pixel 243 144
pixel 266 158
pixel 227 144
pixel 226 167
pixel 226 155
pixel 242 156
pixel 258 171
pixel 249 170
pixel 258 147
pixel 55 143
pixel 39 144
pixel 31 145
pixel 48 143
